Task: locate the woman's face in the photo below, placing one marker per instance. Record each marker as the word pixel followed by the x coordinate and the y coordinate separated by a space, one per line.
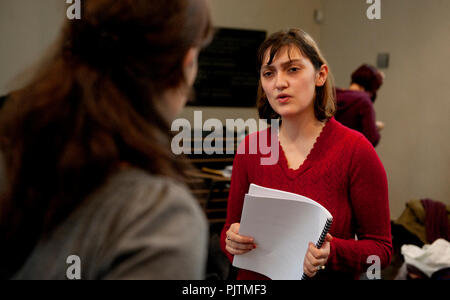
pixel 289 82
pixel 175 99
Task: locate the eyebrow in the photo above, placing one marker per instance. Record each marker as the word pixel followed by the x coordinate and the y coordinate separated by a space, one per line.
pixel 285 64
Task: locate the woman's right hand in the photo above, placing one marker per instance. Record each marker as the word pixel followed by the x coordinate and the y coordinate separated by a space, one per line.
pixel 380 125
pixel 237 244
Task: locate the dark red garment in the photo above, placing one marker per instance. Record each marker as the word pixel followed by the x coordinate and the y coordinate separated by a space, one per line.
pixel 344 174
pixel 436 220
pixel 355 110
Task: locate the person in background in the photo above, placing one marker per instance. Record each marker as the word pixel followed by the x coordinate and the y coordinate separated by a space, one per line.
pixel 355 105
pixel 318 158
pixel 87 169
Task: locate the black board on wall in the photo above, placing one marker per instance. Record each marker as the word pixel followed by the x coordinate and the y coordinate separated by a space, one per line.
pixel 227 74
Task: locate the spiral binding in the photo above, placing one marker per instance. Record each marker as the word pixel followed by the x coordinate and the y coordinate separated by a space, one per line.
pixel 321 240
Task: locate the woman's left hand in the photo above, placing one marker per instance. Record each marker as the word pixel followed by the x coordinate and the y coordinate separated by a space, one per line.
pixel 315 259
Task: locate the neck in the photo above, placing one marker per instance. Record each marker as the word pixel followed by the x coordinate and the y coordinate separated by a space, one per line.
pixel 300 128
pixel 356 87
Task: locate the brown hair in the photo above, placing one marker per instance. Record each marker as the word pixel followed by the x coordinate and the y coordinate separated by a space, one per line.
pixel 369 78
pixel 324 104
pixel 91 108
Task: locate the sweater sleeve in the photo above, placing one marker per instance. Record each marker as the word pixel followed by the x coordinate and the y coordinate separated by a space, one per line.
pixel 239 187
pixel 368 192
pixel 369 128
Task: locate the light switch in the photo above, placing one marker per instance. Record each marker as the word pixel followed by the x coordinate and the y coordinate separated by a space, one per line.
pixel 383 60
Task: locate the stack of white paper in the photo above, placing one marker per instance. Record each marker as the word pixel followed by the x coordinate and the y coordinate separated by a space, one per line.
pixel 282 224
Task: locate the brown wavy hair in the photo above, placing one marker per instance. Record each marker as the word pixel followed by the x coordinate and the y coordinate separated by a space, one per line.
pixel 324 104
pixel 91 108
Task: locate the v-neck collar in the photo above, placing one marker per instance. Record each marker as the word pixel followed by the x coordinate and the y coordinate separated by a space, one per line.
pixel 291 173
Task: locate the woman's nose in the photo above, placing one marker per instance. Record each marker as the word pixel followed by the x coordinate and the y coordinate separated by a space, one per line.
pixel 281 81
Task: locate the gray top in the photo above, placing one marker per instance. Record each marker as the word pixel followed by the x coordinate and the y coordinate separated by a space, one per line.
pixel 136 226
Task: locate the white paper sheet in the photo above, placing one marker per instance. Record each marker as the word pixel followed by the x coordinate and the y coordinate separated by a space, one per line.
pixel 282 225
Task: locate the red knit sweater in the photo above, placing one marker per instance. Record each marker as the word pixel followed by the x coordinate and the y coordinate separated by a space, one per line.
pixel 344 174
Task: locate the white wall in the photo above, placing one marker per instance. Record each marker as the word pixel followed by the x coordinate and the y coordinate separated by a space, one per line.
pixel 414 102
pixel 27 28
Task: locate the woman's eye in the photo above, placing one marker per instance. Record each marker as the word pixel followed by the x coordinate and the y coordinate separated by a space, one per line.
pixel 294 69
pixel 267 74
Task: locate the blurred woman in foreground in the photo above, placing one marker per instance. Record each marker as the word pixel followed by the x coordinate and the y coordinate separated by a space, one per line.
pixel 87 165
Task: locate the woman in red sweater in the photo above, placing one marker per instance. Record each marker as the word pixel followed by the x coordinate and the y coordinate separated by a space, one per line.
pixel 318 158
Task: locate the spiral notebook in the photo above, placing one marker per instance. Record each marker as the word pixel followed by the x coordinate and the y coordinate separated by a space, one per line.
pixel 282 225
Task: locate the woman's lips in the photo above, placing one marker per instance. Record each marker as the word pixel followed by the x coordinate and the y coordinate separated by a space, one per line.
pixel 283 98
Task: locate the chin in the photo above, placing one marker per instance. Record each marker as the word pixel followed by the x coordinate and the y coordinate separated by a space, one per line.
pixel 291 111
pixel 287 113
